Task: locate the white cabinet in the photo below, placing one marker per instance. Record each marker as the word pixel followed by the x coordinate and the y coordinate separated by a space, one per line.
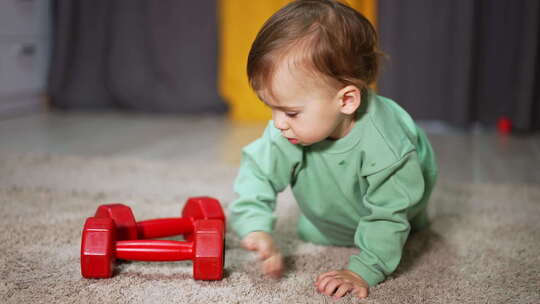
pixel 24 17
pixel 24 54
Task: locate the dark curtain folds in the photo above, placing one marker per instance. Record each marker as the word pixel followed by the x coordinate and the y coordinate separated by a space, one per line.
pixel 154 56
pixel 463 61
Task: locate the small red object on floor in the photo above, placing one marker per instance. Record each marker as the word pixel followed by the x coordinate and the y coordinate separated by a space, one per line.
pixel 100 249
pixel 114 234
pixel 504 125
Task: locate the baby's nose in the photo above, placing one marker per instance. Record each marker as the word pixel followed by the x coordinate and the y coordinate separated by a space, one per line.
pixel 280 122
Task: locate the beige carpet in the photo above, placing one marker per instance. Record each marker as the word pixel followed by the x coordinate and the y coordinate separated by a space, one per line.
pixel 483 246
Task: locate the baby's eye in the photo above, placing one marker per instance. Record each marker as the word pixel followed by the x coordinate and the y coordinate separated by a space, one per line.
pixel 291 114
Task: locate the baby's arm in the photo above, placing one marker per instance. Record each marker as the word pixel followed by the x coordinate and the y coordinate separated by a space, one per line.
pixel 393 194
pixel 269 254
pixel 380 235
pixel 265 170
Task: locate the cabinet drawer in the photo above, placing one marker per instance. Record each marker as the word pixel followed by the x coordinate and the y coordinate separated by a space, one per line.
pixel 24 17
pixel 23 66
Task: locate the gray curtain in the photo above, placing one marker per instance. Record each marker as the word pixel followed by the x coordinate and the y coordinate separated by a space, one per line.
pixel 463 61
pixel 155 56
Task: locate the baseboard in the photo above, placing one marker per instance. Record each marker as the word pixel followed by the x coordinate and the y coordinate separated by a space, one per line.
pixel 22 104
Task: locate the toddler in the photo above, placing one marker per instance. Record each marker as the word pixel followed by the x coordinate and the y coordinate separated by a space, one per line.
pixel 360 169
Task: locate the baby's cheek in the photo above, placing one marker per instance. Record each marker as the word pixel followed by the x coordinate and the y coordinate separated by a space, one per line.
pixel 309 140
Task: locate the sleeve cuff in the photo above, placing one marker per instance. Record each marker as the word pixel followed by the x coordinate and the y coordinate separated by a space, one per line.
pixel 245 227
pixel 371 276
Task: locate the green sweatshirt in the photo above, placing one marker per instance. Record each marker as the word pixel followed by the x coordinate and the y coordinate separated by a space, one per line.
pixel 366 189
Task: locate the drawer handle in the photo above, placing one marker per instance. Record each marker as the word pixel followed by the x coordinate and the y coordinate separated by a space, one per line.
pixel 24 50
pixel 28 49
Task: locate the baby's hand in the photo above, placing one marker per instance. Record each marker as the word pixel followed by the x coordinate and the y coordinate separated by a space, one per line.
pixel 340 282
pixel 272 260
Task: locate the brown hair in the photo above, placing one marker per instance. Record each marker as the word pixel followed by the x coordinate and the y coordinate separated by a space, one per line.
pixel 329 37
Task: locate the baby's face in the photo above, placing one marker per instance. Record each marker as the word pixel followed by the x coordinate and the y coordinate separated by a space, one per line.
pixel 305 110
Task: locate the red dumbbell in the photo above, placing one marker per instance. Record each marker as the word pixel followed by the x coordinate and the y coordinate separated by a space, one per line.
pixel 99 249
pixel 196 208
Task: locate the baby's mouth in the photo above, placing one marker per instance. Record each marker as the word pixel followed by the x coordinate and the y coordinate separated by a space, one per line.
pixel 293 141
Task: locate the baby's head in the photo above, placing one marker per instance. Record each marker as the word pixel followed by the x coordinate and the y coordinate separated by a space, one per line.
pixel 313 52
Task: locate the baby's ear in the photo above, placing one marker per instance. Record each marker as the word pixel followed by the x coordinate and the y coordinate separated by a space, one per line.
pixel 350 99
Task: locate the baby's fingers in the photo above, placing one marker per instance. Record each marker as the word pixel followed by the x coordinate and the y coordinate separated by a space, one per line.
pixel 263 249
pixel 249 244
pixel 323 283
pixel 361 292
pixel 342 290
pixel 325 275
pixel 273 266
pixel 331 286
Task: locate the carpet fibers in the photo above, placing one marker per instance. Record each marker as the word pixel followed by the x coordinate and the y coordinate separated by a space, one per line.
pixel 483 245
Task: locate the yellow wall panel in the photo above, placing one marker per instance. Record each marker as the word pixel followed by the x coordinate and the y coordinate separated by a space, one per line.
pixel 239 22
pixel 368 8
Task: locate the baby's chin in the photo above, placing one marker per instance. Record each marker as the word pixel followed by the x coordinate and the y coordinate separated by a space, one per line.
pixel 303 142
pixel 306 144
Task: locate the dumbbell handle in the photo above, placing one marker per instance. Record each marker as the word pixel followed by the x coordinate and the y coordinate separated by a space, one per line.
pixel 154 250
pixel 164 227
